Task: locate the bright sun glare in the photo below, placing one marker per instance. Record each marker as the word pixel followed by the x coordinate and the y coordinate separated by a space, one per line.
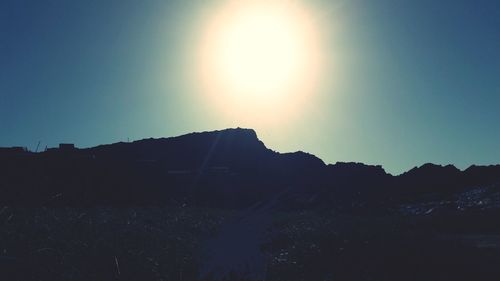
pixel 259 57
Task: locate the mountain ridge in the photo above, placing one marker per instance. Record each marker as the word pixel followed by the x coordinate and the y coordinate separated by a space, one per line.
pixel 229 168
pixel 250 135
pixel 253 135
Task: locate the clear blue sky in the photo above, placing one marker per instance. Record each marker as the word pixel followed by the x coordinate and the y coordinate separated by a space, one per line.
pixel 414 81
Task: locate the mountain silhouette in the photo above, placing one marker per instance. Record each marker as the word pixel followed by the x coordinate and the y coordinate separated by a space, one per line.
pixel 229 168
pixel 220 205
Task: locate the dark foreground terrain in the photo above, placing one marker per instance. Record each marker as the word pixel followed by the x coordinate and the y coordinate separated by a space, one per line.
pixel 221 206
pixel 171 244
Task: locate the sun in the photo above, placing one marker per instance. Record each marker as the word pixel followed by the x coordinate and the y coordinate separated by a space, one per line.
pixel 259 52
pixel 259 56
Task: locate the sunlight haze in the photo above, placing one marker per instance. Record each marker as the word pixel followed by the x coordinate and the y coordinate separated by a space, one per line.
pixel 389 82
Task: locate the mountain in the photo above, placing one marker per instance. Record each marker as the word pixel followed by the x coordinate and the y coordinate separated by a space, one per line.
pixel 229 168
pixel 222 206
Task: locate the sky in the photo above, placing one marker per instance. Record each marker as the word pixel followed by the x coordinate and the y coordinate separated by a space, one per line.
pixel 403 83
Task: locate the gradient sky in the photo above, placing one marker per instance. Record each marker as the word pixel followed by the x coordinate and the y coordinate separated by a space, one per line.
pixel 408 82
